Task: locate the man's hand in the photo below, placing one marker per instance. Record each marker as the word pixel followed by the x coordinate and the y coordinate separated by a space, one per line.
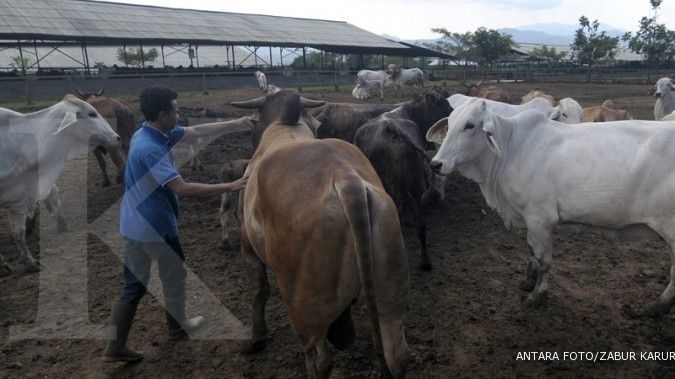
pixel 238 184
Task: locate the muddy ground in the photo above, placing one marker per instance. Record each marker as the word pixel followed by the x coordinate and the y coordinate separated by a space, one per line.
pixel 465 318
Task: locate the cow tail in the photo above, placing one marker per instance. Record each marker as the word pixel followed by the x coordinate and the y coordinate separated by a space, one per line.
pixel 356 201
pixel 391 128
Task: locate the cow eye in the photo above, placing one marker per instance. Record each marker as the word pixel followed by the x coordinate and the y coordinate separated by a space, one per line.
pixel 468 126
pixel 93 114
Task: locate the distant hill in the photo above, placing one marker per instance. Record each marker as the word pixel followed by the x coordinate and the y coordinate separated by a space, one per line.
pixel 542 33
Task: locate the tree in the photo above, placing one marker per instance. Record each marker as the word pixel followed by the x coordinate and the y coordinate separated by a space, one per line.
pixel 654 42
pixel 491 46
pixel 549 54
pixel 459 45
pixel 136 56
pixel 18 63
pixel 590 47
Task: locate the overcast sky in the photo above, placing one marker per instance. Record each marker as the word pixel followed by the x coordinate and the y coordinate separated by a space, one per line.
pixel 413 19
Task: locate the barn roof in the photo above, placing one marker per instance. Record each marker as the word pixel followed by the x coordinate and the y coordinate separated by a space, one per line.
pixel 107 23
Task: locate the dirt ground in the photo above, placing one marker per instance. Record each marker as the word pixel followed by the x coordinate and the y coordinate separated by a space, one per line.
pixel 465 318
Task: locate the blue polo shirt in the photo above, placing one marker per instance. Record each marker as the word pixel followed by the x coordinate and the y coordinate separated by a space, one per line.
pixel 149 209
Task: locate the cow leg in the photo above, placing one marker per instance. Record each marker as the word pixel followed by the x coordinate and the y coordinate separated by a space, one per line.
pixel 53 205
pixel 531 278
pixel 666 300
pixel 224 212
pixel 396 352
pixel 416 205
pixel 17 222
pixel 540 239
pixel 98 152
pixel 260 290
pixel 318 360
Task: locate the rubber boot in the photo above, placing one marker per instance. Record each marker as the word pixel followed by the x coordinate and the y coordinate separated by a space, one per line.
pixel 179 326
pixel 121 318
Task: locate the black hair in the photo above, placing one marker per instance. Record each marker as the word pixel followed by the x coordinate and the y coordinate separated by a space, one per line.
pixel 156 99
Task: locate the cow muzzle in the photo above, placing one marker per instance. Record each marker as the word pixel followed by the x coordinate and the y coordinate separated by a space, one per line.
pixel 658 95
pixel 436 166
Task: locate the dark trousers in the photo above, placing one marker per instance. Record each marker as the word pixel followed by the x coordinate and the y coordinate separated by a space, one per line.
pixel 137 259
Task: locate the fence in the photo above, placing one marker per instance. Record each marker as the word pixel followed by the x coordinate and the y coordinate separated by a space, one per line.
pixel 32 87
pixel 550 74
pixel 51 87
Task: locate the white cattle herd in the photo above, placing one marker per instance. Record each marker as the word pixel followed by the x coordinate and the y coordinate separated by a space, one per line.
pixel 536 163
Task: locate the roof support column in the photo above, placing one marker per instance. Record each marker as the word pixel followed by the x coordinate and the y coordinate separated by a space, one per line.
pixel 234 63
pixel 281 55
pixel 255 56
pixel 23 63
pixel 382 61
pixel 304 58
pixel 271 57
pixel 142 57
pixel 37 57
pixel 85 56
pixel 197 54
pixel 163 60
pixel 124 50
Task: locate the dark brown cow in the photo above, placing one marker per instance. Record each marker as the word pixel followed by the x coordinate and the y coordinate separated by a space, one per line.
pixel 230 172
pixel 124 124
pixel 342 120
pixel 316 214
pixel 394 143
pixel 487 92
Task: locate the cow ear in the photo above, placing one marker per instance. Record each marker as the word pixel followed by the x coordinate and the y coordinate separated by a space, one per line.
pixel 438 131
pixel 496 133
pixel 554 114
pixel 68 119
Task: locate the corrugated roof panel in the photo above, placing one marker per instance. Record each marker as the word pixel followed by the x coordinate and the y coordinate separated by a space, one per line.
pixel 93 19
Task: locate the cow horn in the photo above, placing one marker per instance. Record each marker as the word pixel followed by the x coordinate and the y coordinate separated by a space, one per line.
pixel 480 83
pixel 256 103
pixel 100 92
pixel 307 103
pixel 79 93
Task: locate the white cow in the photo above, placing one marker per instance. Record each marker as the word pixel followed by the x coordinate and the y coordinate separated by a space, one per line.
pixel 568 111
pixel 33 150
pixel 670 117
pixel 381 76
pixel 665 98
pixel 366 88
pixel 537 173
pixel 406 76
pixel 503 109
pixel 262 80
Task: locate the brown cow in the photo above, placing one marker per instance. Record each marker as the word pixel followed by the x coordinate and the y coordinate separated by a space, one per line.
pixel 316 213
pixel 342 120
pixel 394 143
pixel 537 93
pixel 490 92
pixel 230 172
pixel 604 112
pixel 124 124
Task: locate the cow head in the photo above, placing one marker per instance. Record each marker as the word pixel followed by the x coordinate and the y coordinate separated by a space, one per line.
pixel 87 95
pixel 664 87
pixel 425 109
pixel 282 107
pixel 78 119
pixel 465 136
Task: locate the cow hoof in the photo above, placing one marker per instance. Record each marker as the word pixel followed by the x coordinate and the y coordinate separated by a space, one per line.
pixel 526 285
pixel 426 267
pixel 656 309
pixel 536 301
pixel 251 347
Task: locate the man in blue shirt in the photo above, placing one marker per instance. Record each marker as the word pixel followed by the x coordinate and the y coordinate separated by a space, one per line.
pixel 148 217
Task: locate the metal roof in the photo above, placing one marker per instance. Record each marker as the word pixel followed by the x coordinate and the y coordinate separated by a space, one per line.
pixel 622 53
pixel 98 22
